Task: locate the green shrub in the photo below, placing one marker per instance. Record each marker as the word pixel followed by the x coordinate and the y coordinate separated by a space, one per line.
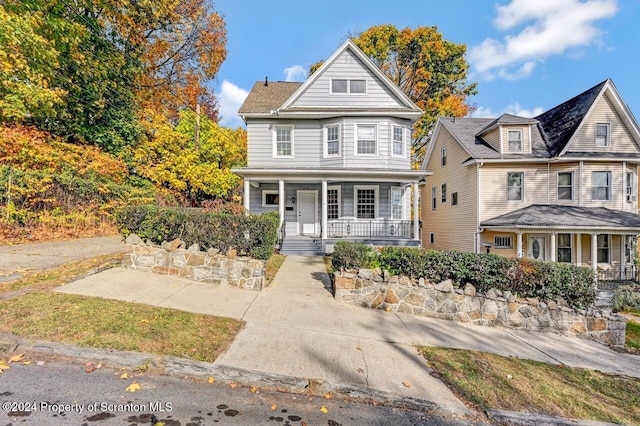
pixel 352 256
pixel 253 235
pixel 626 297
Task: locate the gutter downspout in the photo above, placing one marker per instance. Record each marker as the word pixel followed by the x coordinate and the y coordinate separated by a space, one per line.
pixel 478 210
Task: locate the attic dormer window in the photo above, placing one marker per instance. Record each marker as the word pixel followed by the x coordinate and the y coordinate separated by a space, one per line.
pixel 515 140
pixel 602 134
pixel 344 86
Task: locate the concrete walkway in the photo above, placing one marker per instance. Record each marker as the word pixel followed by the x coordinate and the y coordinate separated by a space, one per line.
pixel 295 328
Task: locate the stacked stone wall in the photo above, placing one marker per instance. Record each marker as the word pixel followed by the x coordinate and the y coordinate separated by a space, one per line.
pixel 173 258
pixel 379 290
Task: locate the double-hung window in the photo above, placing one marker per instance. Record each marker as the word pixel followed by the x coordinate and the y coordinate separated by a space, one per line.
pixel 332 140
pixel 434 198
pixel 333 202
pixel 344 86
pixel 515 140
pixel 366 141
pixel 283 141
pixel 397 203
pixel 398 141
pixel 444 192
pixel 630 187
pixel 515 184
pixel 565 186
pixel 564 248
pixel 443 156
pixel 603 248
pixel 603 137
pixel 601 186
pixel 366 202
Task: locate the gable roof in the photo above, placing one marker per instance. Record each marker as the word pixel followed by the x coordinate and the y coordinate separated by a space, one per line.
pixel 266 97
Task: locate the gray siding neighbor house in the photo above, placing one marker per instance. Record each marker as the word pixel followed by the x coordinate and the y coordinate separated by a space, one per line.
pixel 333 156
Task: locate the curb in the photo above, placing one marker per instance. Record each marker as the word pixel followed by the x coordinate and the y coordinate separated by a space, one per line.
pixel 529 419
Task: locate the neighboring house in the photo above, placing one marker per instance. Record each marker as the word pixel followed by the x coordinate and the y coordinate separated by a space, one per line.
pixel 333 154
pixel 561 186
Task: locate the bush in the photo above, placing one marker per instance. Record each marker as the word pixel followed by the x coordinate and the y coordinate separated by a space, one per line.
pixel 525 278
pixel 626 297
pixel 253 235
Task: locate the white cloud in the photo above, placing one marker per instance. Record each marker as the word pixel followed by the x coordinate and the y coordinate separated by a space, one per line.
pixel 514 109
pixel 547 28
pixel 295 73
pixel 230 98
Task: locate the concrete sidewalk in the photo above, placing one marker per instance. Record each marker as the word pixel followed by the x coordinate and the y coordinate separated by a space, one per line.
pixel 295 328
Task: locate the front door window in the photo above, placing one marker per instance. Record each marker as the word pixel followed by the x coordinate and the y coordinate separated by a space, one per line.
pixel 537 246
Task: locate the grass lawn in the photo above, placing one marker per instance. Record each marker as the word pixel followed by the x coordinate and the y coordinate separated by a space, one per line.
pixel 490 381
pixel 633 335
pixel 271 268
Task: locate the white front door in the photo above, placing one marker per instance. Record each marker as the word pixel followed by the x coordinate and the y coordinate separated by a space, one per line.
pixel 537 245
pixel 307 212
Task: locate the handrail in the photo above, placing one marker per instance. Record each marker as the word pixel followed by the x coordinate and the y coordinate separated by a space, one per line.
pixel 282 233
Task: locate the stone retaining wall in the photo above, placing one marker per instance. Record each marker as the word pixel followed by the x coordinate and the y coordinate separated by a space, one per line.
pixel 378 290
pixel 172 258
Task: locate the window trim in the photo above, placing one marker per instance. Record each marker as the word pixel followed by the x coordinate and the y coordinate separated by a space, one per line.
pixel 355 142
pixel 454 196
pixel 434 198
pixel 559 247
pixel 275 140
pixel 266 192
pixel 519 131
pixel 630 187
pixel 443 193
pixel 608 248
pixel 432 237
pixel 402 142
pixel 521 187
pixel 607 140
pixel 349 92
pixel 325 138
pixel 504 238
pixel 564 186
pixel 376 199
pixel 402 202
pixel 443 156
pixel 339 200
pixel 609 186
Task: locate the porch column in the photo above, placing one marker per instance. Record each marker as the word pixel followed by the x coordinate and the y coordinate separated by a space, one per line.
pixel 324 210
pixel 623 256
pixel 281 200
pixel 594 253
pixel 247 196
pixel 519 253
pixel 552 247
pixel 579 249
pixel 416 211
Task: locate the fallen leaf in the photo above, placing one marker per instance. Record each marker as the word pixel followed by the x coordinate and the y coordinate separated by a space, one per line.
pixel 274 407
pixel 327 395
pixel 211 379
pixel 26 362
pixel 388 309
pixel 254 389
pixel 16 358
pixel 358 348
pixel 406 384
pixel 135 386
pixel 124 376
pixel 233 385
pixel 91 369
pixel 3 366
pixel 324 409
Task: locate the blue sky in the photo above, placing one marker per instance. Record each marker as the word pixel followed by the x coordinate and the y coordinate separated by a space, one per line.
pixel 526 55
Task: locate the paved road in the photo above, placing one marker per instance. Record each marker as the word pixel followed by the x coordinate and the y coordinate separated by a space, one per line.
pixel 51 391
pixel 18 259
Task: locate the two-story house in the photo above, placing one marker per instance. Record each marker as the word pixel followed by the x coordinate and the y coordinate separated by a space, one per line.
pixel 561 186
pixel 333 154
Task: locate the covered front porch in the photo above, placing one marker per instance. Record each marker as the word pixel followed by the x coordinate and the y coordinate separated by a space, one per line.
pixel 600 238
pixel 377 207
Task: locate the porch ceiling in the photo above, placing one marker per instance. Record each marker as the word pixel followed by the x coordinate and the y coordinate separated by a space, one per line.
pixel 538 217
pixel 320 174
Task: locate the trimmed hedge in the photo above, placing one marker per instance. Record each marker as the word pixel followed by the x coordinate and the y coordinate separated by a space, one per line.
pixel 525 278
pixel 253 235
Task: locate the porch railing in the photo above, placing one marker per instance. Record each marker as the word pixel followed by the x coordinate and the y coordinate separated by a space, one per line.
pixel 374 228
pixel 629 274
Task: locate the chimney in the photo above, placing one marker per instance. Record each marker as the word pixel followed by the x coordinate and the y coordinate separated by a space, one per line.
pixel 266 81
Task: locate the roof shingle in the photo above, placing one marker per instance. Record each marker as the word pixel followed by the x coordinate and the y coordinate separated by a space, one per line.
pixel 264 98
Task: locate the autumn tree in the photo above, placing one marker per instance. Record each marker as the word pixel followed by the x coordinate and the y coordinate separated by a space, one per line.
pixel 432 71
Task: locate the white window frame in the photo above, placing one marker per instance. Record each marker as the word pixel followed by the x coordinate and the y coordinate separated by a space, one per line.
pixel 395 142
pixel 355 144
pixel 559 247
pixel 275 141
pixel 349 92
pixel 630 187
pixel 339 189
pixel 608 238
pixel 434 198
pixel 454 198
pixel 326 140
pixel 503 241
pixel 607 140
pixel 521 187
pixel 443 193
pixel 376 200
pixel 443 156
pixel 519 131
pixel 432 237
pixel 266 192
pixel 564 186
pixel 609 186
pixel 402 202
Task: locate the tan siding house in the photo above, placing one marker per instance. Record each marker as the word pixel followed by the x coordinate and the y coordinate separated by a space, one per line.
pixel 561 186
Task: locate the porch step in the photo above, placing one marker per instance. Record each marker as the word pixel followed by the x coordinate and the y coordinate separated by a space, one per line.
pixel 302 246
pixel 604 298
